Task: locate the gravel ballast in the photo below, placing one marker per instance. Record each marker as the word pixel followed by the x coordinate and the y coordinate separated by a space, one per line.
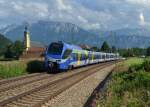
pixel 77 95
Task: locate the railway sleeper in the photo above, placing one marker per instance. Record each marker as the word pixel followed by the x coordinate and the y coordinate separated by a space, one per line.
pixel 17 104
pixel 25 102
pixel 35 98
pixel 46 104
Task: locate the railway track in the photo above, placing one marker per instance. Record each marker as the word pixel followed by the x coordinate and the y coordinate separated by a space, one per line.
pixel 21 82
pixel 6 81
pixel 36 96
pixel 13 83
pixel 15 89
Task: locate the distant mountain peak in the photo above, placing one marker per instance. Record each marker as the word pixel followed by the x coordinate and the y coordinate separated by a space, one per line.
pixel 46 32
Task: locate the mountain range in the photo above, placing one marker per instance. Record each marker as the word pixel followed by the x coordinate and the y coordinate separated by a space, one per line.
pixel 46 32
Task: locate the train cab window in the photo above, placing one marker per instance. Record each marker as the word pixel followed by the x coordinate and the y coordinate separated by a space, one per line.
pixel 55 49
pixel 66 53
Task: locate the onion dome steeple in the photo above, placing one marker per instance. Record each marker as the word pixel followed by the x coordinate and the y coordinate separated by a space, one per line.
pixel 26 39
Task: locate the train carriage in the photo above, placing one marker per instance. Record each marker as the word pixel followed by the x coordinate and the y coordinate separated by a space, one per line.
pixel 63 56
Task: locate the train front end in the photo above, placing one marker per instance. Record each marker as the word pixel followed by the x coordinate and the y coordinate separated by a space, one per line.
pixel 53 56
pixel 57 57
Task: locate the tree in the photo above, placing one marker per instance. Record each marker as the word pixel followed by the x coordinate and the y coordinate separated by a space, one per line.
pixel 95 48
pixel 113 49
pixel 18 48
pixel 9 51
pixel 132 52
pixel 148 51
pixel 14 50
pixel 105 47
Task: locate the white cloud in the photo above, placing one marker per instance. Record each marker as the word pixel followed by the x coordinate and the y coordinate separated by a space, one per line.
pixel 31 8
pixel 89 14
pixel 62 6
pixel 142 20
pixel 2 2
pixel 82 19
pixel 143 3
pixel 95 26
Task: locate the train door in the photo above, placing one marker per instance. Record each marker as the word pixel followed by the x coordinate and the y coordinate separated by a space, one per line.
pixel 101 58
pixel 67 57
pixel 79 59
pixel 86 57
pixel 90 57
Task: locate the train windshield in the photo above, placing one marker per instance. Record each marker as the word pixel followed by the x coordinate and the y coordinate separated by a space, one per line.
pixel 55 49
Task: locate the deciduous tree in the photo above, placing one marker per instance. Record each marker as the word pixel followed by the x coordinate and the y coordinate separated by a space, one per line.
pixel 105 47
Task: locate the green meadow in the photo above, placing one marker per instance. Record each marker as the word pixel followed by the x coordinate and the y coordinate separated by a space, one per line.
pixel 128 87
pixel 133 61
pixel 16 68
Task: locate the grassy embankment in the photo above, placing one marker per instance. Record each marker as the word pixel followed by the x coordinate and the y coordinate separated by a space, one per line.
pixel 17 68
pixel 130 85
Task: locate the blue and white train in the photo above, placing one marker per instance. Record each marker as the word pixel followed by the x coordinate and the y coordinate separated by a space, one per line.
pixel 63 56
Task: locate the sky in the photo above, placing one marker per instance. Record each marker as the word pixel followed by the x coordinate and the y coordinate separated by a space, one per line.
pixel 88 14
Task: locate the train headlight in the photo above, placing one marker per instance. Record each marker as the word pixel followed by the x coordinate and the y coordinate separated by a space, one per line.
pixel 50 64
pixel 58 60
pixel 51 59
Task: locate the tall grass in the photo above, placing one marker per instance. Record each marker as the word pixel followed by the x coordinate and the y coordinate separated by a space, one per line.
pixel 130 88
pixel 13 69
pixel 10 69
pixel 134 61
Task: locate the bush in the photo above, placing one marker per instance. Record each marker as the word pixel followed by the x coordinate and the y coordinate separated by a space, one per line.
pixel 146 65
pixel 35 66
pixel 134 68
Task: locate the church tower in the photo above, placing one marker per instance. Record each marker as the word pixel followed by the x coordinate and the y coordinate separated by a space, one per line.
pixel 26 39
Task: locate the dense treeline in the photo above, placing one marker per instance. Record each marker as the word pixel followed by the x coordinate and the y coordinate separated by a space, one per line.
pixel 9 49
pixel 130 52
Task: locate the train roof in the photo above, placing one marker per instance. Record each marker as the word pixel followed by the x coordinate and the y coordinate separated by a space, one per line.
pixel 71 46
pixel 78 48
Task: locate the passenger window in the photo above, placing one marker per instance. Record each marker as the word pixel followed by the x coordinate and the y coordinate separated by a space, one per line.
pixel 66 54
pixel 83 57
pixel 90 56
pixel 75 56
pixel 103 56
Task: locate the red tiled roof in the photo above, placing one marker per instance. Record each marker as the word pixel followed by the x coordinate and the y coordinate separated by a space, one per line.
pixel 36 49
